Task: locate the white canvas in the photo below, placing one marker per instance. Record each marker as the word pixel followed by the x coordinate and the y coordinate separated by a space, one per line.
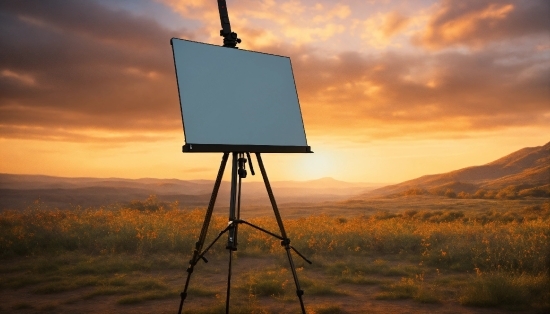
pixel 236 97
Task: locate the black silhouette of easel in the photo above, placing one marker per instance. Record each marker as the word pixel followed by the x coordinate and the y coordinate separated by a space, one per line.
pixel 239 170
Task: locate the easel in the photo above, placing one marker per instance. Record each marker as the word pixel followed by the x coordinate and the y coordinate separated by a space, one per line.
pixel 239 170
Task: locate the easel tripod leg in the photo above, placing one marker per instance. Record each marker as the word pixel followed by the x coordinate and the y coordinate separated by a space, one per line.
pixel 232 239
pixel 286 241
pixel 299 291
pixel 204 230
pixel 228 294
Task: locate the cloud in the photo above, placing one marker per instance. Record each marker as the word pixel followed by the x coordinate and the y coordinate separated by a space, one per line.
pixel 394 23
pixel 475 23
pixel 398 94
pixel 303 35
pixel 78 71
pixel 80 66
pixel 20 77
pixel 379 29
pixel 339 11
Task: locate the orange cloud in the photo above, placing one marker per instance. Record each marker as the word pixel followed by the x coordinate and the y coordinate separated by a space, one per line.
pixel 462 28
pixel 302 35
pixel 20 77
pixel 394 95
pixel 83 70
pixel 339 11
pixel 476 23
pixel 393 23
pixel 378 30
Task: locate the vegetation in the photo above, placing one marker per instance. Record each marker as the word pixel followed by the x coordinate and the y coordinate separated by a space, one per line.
pixel 481 259
pixel 511 192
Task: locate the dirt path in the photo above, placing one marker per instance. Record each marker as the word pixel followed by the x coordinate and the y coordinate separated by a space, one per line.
pixel 350 298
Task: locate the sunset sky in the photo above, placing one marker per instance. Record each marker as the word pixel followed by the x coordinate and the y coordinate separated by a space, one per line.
pixel 389 90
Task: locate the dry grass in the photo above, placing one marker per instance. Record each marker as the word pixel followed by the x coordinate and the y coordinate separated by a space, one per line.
pixel 486 259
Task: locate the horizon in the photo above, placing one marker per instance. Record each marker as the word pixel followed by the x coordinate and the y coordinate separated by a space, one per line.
pixel 225 179
pixel 257 179
pixel 388 91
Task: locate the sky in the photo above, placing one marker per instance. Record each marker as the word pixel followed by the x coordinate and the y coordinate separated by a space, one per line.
pixel 389 90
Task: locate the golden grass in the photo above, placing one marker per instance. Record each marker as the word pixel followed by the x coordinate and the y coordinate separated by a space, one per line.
pixel 498 253
pixel 453 241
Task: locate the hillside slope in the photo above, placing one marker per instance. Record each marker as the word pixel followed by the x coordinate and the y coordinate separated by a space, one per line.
pixel 526 168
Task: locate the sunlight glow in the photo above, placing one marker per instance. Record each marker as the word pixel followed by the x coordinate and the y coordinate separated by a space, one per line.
pixel 315 166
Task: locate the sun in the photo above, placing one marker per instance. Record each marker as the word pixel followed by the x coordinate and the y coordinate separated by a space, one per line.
pixel 315 166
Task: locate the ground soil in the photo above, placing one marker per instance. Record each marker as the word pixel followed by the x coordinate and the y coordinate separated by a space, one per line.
pixel 213 275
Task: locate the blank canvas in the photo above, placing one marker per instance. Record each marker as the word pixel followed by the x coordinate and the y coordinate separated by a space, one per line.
pixel 237 100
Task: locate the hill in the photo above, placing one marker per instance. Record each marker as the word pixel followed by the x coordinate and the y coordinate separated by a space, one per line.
pixel 526 170
pixel 21 191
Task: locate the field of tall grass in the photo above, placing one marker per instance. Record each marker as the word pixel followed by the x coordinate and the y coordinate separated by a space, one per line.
pixel 482 259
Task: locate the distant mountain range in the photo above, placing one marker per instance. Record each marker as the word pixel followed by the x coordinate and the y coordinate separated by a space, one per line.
pixel 21 191
pixel 527 168
pixel 525 172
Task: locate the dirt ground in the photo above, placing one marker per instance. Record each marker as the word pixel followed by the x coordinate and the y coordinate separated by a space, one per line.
pixel 350 298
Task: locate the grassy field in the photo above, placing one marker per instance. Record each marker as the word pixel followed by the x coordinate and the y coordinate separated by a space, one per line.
pixel 413 254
